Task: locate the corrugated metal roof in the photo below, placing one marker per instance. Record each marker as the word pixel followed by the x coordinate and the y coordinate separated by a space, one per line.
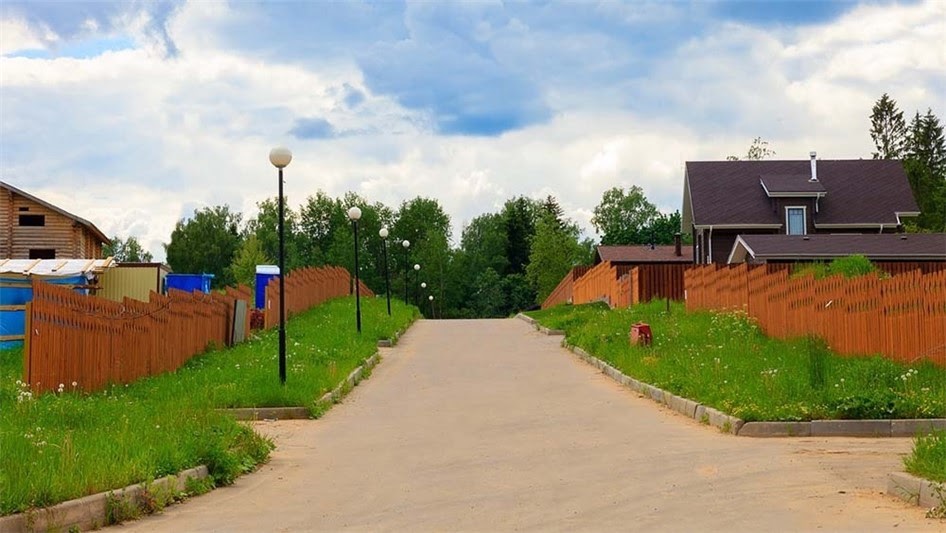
pixel 54 267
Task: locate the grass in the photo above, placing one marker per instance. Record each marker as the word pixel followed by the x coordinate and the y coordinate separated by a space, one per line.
pixel 724 361
pixel 928 459
pixel 56 447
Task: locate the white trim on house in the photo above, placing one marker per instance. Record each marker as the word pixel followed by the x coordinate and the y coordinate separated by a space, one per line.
pixel 797 194
pixel 804 219
pixel 746 251
pixel 737 226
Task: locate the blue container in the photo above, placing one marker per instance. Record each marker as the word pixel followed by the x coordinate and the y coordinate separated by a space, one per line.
pixel 264 273
pixel 188 282
pixel 14 291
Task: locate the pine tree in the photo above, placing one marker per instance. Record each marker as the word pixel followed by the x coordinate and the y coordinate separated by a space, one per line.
pixel 887 129
pixel 925 165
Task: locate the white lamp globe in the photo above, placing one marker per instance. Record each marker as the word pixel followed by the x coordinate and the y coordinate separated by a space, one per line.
pixel 280 156
pixel 354 213
pixel 406 243
pixel 383 233
pixel 423 285
pixel 431 297
pixel 416 266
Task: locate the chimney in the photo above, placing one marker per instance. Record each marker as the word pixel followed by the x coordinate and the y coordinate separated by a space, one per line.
pixel 814 166
pixel 676 245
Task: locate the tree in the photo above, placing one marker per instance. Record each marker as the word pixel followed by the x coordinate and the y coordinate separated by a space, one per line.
pixel 128 251
pixel 416 220
pixel 319 218
pixel 887 129
pixel 624 217
pixel 519 215
pixel 925 166
pixel 206 243
pixel 551 207
pixel 758 150
pixel 249 256
pixel 555 250
pixel 266 229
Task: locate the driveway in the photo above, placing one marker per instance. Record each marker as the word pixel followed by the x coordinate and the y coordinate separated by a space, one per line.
pixel 486 425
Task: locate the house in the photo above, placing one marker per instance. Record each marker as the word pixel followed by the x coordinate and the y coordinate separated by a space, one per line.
pixel 878 247
pixel 726 199
pixel 31 228
pixel 644 254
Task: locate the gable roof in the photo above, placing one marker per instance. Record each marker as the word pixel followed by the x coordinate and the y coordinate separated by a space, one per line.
pixel 791 185
pixel 642 253
pixel 857 192
pixel 875 246
pixel 88 225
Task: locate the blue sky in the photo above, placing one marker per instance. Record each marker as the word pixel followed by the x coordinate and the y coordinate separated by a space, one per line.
pixel 131 114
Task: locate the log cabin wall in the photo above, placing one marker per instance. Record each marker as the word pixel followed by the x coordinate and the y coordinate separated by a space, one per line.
pixel 68 238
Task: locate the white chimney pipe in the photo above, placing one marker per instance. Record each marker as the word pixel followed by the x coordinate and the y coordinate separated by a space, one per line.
pixel 814 166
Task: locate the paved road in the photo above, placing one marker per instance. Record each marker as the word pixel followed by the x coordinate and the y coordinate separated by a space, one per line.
pixel 490 426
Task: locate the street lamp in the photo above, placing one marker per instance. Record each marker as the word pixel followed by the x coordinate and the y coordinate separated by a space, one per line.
pixel 280 158
pixel 406 244
pixel 383 233
pixel 431 298
pixel 423 285
pixel 354 214
pixel 416 268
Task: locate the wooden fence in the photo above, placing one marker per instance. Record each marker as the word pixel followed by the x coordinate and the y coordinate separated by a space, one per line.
pixel 90 341
pixel 565 291
pixel 902 317
pixel 308 287
pixel 657 281
pixel 623 285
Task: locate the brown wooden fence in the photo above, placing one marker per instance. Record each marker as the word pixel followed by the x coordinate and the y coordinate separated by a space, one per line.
pixel 308 287
pixel 902 317
pixel 565 291
pixel 624 285
pixel 657 281
pixel 90 341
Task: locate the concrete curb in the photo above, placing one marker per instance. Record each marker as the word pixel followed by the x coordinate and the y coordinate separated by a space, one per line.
pixel 542 329
pixel 90 512
pixel 335 395
pixel 915 490
pixel 267 413
pixel 736 426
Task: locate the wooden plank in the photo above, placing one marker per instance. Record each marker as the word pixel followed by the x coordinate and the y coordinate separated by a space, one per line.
pixel 11 337
pixel 12 307
pixel 15 284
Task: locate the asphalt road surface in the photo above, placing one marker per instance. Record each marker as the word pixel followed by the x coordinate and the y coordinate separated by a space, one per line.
pixel 486 425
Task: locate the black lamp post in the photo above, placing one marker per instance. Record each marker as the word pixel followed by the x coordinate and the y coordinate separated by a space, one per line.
pixel 280 158
pixel 387 276
pixel 423 285
pixel 416 268
pixel 407 256
pixel 431 298
pixel 354 213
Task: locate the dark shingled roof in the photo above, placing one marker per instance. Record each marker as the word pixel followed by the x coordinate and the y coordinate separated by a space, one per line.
pixel 876 246
pixel 868 191
pixel 791 183
pixel 641 253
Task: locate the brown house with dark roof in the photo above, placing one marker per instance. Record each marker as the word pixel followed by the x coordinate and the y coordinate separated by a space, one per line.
pixel 31 228
pixel 643 254
pixel 725 199
pixel 912 247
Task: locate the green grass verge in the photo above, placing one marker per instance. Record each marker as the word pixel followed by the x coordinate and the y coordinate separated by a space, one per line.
pixel 928 459
pixel 57 447
pixel 724 361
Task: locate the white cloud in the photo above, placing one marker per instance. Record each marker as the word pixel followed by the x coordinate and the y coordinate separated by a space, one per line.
pixel 17 36
pixel 134 139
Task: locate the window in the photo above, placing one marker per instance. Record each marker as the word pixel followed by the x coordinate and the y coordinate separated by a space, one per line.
pixel 32 220
pixel 795 221
pixel 42 253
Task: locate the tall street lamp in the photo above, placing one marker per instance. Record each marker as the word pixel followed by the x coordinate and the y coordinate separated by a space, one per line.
pixel 354 214
pixel 280 158
pixel 431 298
pixel 383 233
pixel 407 256
pixel 416 268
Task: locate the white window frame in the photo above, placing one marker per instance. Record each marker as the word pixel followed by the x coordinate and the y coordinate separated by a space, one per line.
pixel 804 219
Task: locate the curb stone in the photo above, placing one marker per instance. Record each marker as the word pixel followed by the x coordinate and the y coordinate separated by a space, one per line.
pixel 775 429
pixel 90 512
pixel 335 395
pixel 267 413
pixel 915 490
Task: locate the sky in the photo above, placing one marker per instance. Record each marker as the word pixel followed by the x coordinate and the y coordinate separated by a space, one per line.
pixel 133 114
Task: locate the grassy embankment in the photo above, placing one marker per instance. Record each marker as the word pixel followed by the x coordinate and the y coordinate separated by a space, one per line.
pixel 723 360
pixel 56 447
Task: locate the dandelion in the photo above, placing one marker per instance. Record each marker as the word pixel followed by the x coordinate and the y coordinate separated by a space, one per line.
pixel 74 384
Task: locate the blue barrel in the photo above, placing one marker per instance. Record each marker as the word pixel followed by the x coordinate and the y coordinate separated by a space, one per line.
pixel 264 273
pixel 188 282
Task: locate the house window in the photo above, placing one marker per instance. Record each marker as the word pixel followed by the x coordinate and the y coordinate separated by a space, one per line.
pixel 42 253
pixel 795 221
pixel 32 220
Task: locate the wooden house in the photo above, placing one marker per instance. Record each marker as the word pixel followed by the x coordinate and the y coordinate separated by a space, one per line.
pixel 31 228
